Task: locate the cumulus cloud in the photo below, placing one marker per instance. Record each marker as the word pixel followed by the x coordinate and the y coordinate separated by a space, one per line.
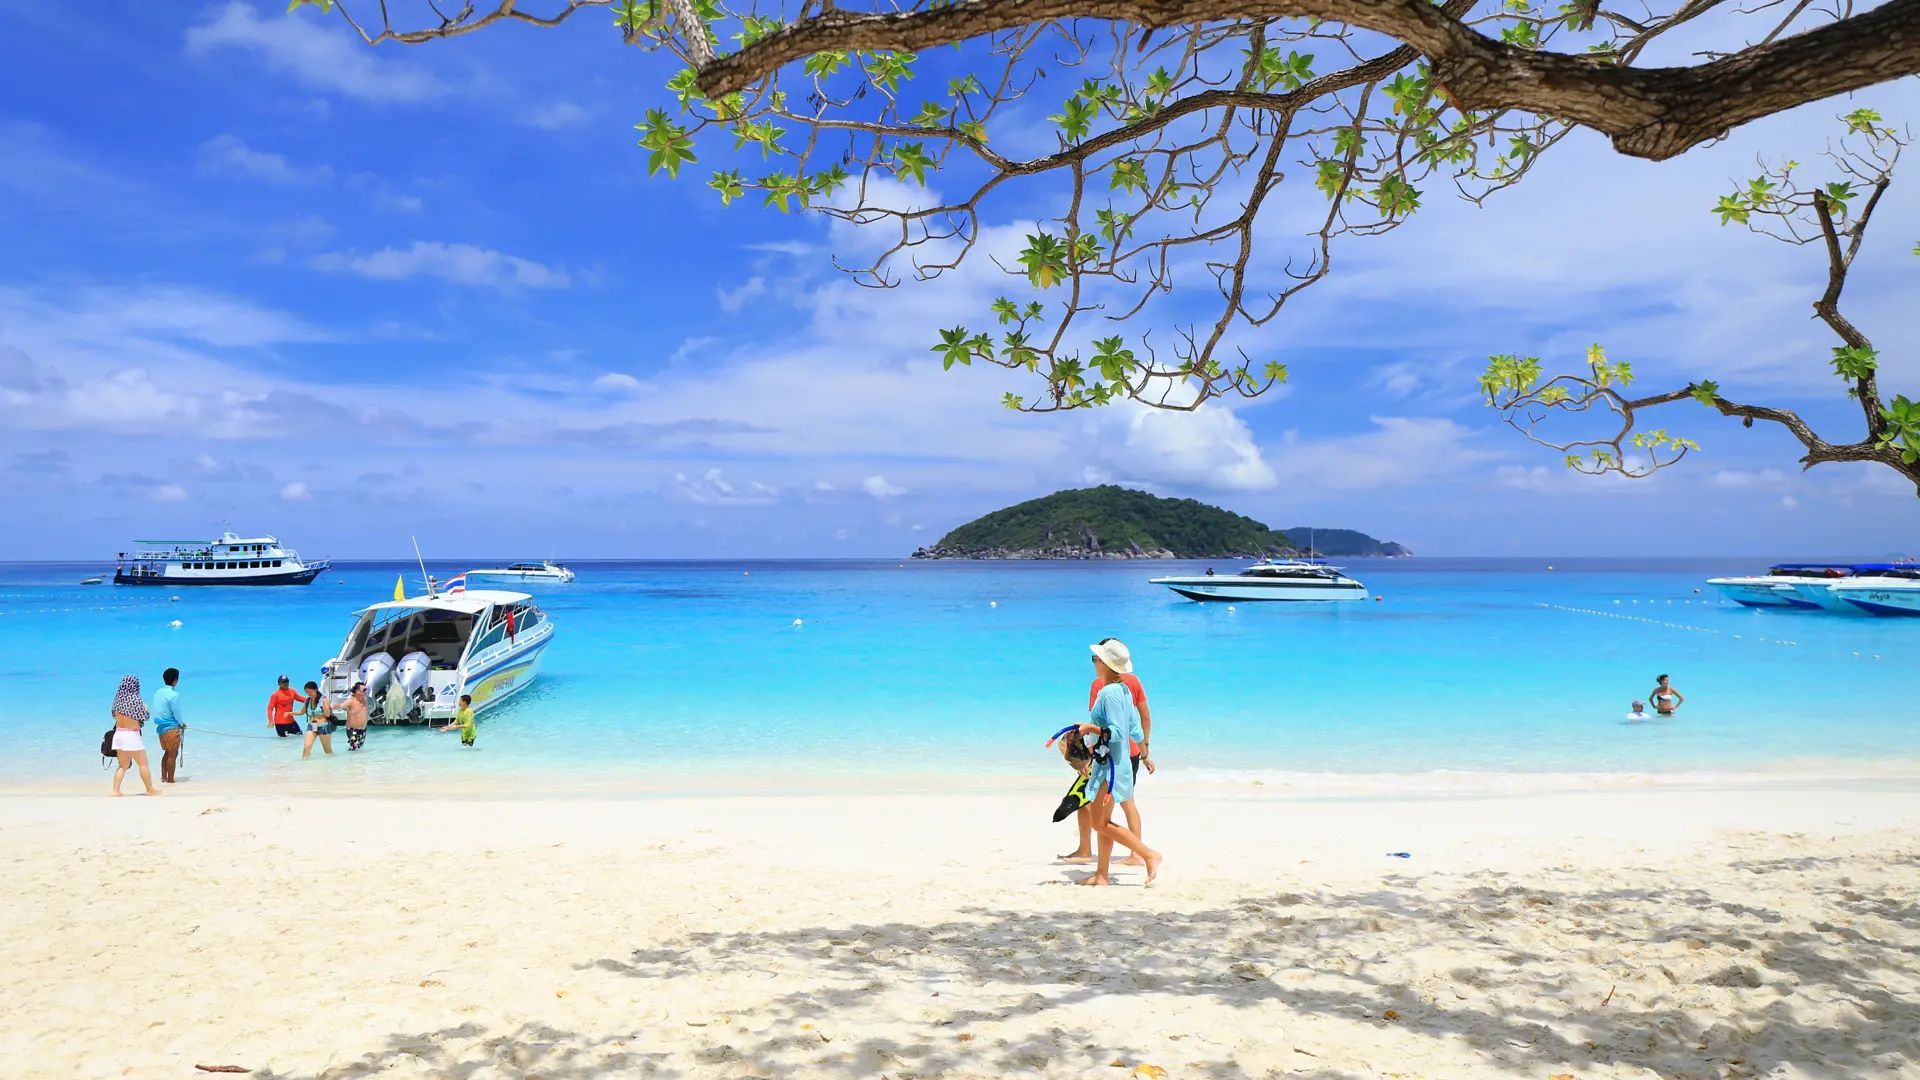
pixel 617 380
pixel 713 489
pixel 1210 447
pixel 323 56
pixel 560 114
pixel 170 493
pixel 295 492
pixel 462 264
pixel 879 488
pixel 227 154
pixel 1398 451
pixel 732 300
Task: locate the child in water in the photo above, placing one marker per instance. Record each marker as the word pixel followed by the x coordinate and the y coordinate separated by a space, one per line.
pixel 463 719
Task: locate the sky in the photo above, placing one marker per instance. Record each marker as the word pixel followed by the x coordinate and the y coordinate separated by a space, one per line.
pixel 256 272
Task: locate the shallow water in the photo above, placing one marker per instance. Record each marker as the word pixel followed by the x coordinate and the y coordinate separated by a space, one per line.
pixel 699 670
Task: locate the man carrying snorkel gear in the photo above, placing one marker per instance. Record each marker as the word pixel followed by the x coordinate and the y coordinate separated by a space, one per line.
pixel 1114 716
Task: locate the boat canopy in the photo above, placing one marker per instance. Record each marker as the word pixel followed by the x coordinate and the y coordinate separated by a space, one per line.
pixel 470 602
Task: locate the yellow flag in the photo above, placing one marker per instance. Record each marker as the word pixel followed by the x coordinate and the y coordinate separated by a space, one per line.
pixel 400 587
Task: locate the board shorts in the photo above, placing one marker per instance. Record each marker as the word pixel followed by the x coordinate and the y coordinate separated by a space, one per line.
pixel 319 728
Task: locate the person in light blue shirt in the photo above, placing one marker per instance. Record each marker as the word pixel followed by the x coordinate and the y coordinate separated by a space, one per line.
pixel 168 723
pixel 1115 719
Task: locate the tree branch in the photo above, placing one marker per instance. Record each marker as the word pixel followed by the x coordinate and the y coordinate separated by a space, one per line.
pixel 1653 113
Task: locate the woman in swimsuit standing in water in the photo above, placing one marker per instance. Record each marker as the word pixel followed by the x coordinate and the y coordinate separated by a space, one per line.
pixel 1665 698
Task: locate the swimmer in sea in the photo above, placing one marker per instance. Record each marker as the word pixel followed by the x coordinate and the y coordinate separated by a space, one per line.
pixel 1639 713
pixel 1666 698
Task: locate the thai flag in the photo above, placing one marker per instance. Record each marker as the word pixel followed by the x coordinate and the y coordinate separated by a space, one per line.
pixel 457 584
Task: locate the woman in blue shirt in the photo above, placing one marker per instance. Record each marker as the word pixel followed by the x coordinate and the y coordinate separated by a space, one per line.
pixel 1114 717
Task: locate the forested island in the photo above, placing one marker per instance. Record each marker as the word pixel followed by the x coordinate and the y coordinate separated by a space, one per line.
pixel 1111 522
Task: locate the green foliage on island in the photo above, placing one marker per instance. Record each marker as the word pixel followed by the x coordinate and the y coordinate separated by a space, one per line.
pixel 1120 523
pixel 1343 543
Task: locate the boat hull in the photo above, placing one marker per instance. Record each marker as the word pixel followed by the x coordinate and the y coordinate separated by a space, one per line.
pixel 294 577
pixel 1230 589
pixel 1760 592
pixel 1883 601
pixel 1820 596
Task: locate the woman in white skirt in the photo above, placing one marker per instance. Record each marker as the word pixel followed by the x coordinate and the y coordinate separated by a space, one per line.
pixel 129 716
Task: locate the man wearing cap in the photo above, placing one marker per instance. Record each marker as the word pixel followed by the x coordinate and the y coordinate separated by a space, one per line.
pixel 1115 718
pixel 1137 752
pixel 280 709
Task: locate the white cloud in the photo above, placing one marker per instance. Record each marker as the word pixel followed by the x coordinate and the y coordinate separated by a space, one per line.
pixel 560 114
pixel 617 380
pixel 1400 450
pixel 1209 447
pixel 169 493
pixel 462 264
pixel 878 487
pixel 1788 502
pixel 731 301
pixel 228 154
pixel 713 489
pixel 328 57
pixel 295 492
pixel 1740 479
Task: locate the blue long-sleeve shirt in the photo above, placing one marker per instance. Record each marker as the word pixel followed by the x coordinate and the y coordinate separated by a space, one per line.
pixel 165 709
pixel 1114 712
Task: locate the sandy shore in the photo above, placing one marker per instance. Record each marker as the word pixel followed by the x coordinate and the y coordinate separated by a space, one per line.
pixel 1671 933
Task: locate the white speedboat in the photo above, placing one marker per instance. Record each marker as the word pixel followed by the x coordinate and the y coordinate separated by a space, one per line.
pixel 417 656
pixel 1882 588
pixel 230 560
pixel 525 573
pixel 1788 585
pixel 1270 579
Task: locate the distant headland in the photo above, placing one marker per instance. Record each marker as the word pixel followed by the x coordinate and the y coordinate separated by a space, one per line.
pixel 1110 522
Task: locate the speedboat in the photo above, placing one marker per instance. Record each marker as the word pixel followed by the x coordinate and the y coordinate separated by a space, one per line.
pixel 1789 585
pixel 418 655
pixel 1881 588
pixel 526 573
pixel 230 560
pixel 93 581
pixel 1270 579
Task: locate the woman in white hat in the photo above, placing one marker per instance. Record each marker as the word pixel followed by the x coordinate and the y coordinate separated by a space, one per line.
pixel 1114 717
pixel 129 716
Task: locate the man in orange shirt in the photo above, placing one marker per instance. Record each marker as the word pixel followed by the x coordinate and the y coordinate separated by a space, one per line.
pixel 1138 754
pixel 280 709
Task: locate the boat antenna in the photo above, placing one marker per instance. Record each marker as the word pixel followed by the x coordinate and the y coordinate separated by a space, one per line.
pixel 423 564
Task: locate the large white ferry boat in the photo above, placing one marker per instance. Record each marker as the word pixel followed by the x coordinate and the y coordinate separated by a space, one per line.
pixel 525 573
pixel 1270 579
pixel 418 655
pixel 230 560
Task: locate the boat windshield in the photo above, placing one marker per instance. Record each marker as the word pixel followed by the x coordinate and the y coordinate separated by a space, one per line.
pixel 1811 570
pixel 526 566
pixel 1284 570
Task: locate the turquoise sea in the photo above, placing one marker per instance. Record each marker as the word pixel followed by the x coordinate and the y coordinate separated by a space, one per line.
pixel 772 676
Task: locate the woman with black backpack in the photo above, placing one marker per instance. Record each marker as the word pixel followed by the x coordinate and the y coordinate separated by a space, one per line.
pixel 129 716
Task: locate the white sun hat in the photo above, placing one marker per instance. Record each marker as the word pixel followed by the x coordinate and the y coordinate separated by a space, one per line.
pixel 1115 655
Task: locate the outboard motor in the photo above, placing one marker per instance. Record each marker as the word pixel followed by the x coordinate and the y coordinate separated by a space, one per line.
pixel 411 674
pixel 376 671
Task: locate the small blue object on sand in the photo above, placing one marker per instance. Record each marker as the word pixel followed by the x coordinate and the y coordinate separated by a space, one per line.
pixel 1399 854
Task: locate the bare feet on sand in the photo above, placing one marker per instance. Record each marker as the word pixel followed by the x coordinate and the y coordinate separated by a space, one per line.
pixel 1153 866
pixel 1076 857
pixel 1093 879
pixel 1133 860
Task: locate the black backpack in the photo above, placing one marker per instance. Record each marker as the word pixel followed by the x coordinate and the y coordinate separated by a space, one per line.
pixel 106 749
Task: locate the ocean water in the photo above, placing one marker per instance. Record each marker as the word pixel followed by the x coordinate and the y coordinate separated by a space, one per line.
pixel 769 676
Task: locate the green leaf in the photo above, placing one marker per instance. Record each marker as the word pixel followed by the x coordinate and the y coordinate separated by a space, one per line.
pixel 822 64
pixel 1395 196
pixel 1507 372
pixel 888 69
pixel 628 15
pixel 1859 121
pixel 953 348
pixel 1274 371
pixel 1732 208
pixel 1704 391
pixel 930 115
pixel 1128 174
pixel 973 129
pixel 1075 118
pixel 686 88
pixel 728 185
pixel 911 159
pixel 325 6
pixel 671 145
pixel 1854 363
pixel 1045 260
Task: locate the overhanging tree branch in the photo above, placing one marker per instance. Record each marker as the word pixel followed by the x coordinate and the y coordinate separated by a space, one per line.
pixel 1648 112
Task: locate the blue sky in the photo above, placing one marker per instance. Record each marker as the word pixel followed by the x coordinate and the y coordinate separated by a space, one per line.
pixel 258 272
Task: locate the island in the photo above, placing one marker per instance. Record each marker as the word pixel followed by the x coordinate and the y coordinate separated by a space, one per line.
pixel 1112 522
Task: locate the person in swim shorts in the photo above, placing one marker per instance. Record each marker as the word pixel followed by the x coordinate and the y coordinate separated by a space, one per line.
pixel 1137 753
pixel 1114 716
pixel 1665 698
pixel 280 706
pixel 356 709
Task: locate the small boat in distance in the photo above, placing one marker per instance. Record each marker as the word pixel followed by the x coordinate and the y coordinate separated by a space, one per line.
pixel 418 655
pixel 92 581
pixel 1297 580
pixel 525 572
pixel 230 560
pixel 1881 588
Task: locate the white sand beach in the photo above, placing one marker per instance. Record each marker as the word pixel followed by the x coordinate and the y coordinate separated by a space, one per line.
pixel 1767 932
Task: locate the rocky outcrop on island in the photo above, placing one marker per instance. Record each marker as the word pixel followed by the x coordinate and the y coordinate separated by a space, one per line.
pixel 1111 522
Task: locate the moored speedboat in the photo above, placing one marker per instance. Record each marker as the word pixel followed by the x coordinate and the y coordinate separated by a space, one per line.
pixel 230 560
pixel 1270 579
pixel 417 656
pixel 1882 588
pixel 525 573
pixel 1789 585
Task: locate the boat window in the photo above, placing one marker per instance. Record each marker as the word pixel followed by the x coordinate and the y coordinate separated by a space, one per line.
pixel 276 562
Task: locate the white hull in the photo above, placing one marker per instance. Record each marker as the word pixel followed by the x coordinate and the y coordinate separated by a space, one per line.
pixel 1881 598
pixel 523 575
pixel 1759 592
pixel 1238 588
pixel 1820 594
pixel 451 644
